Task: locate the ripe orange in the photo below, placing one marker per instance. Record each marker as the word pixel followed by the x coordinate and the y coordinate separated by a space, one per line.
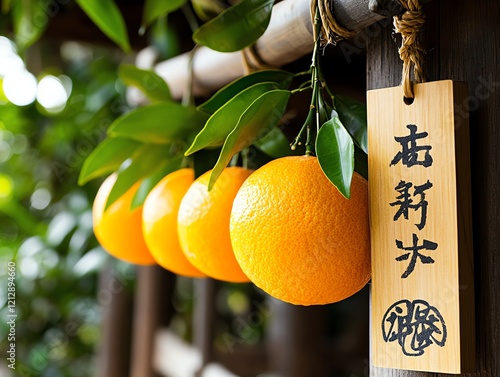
pixel 159 222
pixel 119 230
pixel 203 225
pixel 297 238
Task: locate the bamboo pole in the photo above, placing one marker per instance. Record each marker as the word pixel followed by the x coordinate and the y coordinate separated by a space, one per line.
pixel 287 38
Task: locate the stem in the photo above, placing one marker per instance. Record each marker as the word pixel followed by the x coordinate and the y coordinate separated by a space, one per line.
pixel 190 17
pixel 303 73
pixel 309 146
pixel 234 160
pixel 302 88
pixel 188 98
pixel 308 121
pixel 316 83
pixel 187 162
pixel 244 157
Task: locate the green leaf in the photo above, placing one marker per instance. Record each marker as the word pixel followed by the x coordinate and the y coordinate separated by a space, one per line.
pixel 106 158
pixel 335 151
pixel 282 78
pixel 156 8
pixel 224 120
pixel 274 144
pixel 152 85
pixel 165 38
pixel 148 183
pixel 138 167
pixel 208 9
pixel 161 123
pixel 6 4
pixel 28 24
pixel 237 27
pixel 352 114
pixel 108 18
pixel 256 122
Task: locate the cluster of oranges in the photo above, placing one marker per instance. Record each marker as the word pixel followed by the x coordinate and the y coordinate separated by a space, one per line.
pixel 284 227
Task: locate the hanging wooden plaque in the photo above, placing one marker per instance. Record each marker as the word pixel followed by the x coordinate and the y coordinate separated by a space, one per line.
pixel 421 233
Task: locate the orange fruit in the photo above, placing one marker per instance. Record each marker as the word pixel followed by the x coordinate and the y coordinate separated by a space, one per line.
pixel 159 222
pixel 297 238
pixel 203 225
pixel 118 229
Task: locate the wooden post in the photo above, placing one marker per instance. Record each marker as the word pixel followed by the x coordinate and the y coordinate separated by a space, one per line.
pixel 204 315
pixel 117 304
pixel 462 44
pixel 295 339
pixel 152 310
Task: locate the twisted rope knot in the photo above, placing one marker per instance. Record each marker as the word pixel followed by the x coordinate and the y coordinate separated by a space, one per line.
pixel 411 52
pixel 331 30
pixel 252 61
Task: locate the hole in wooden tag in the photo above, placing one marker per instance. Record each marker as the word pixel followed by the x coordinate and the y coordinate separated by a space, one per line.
pixel 408 101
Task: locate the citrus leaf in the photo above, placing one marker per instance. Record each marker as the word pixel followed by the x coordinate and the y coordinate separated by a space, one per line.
pixel 161 123
pixel 208 9
pixel 352 114
pixel 108 18
pixel 6 6
pixel 24 14
pixel 148 183
pixel 280 77
pixel 335 152
pixel 256 122
pixel 152 85
pixel 224 120
pixel 237 27
pixel 156 8
pixel 107 157
pixel 274 144
pixel 136 168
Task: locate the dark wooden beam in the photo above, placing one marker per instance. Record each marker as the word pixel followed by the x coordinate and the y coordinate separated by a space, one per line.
pixel 204 316
pixel 152 310
pixel 295 339
pixel 462 44
pixel 117 305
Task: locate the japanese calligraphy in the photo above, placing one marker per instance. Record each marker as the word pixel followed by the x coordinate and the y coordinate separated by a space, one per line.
pixel 405 201
pixel 415 325
pixel 413 254
pixel 416 201
pixel 409 155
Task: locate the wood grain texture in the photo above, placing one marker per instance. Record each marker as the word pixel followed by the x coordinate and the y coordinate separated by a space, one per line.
pixel 462 44
pixel 438 218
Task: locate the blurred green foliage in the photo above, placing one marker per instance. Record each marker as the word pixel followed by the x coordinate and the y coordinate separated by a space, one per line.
pixel 46 219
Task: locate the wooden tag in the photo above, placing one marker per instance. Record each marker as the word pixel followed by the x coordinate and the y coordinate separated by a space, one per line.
pixel 421 233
